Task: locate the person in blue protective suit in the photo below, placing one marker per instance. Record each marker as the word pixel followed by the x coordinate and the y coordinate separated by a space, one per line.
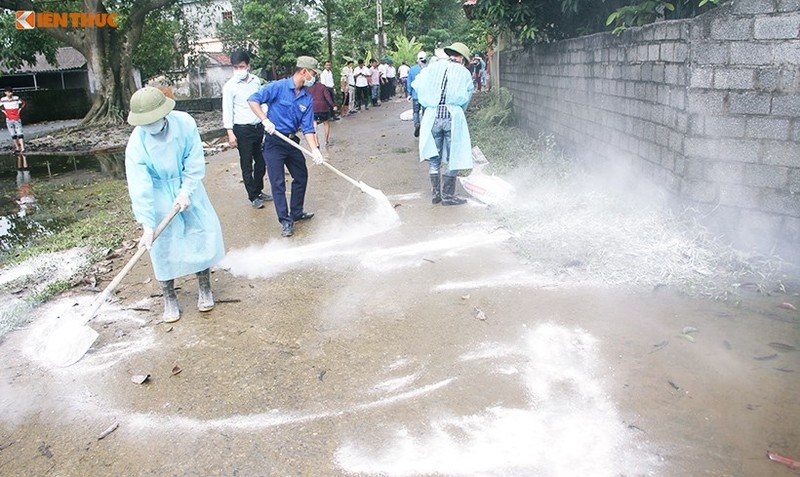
pixel 164 164
pixel 444 89
pixel 289 109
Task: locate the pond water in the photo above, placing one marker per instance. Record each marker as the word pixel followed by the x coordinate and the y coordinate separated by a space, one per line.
pixel 24 178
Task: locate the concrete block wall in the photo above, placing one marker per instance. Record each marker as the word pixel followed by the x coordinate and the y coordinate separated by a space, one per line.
pixel 707 108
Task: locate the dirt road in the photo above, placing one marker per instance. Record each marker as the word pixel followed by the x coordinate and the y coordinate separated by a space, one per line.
pixel 365 347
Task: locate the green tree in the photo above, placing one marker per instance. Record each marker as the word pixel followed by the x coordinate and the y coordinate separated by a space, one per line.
pixel 16 53
pixel 405 50
pixel 167 38
pixel 274 32
pixel 109 52
pixel 547 20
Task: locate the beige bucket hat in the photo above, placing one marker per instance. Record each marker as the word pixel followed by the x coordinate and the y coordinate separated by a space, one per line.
pixel 457 48
pixel 309 62
pixel 148 105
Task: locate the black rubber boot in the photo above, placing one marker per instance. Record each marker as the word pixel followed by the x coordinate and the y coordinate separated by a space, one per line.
pixel 449 192
pixel 172 311
pixel 205 299
pixel 436 185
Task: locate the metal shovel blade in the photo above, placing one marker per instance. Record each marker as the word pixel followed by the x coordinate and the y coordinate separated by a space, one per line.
pixel 70 343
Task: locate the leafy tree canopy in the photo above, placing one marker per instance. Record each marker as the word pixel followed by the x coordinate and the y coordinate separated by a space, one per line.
pixel 528 21
pixel 275 33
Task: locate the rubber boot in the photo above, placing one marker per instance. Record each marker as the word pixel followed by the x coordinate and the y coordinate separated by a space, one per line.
pixel 436 184
pixel 449 192
pixel 172 311
pixel 205 299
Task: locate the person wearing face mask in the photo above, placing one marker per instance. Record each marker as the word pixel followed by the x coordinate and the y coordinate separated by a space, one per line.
pixel 165 165
pixel 289 110
pixel 444 90
pixel 245 131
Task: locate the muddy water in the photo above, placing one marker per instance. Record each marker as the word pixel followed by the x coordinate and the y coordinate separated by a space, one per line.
pixel 24 177
pixel 424 348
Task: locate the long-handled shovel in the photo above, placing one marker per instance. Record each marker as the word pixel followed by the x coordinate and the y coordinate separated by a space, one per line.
pixel 364 187
pixel 73 341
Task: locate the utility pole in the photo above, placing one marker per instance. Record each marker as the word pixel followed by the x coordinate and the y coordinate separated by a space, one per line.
pixel 380 29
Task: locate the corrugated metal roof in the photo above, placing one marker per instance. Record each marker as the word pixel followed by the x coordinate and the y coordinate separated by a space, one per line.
pixel 67 58
pixel 218 58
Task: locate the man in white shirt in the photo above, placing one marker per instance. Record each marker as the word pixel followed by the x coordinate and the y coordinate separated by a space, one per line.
pixel 391 79
pixel 245 131
pixel 402 72
pixel 362 79
pixel 382 96
pixel 326 78
pixel 348 89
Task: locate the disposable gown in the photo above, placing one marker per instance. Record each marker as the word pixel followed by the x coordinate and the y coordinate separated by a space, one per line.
pixel 428 86
pixel 158 168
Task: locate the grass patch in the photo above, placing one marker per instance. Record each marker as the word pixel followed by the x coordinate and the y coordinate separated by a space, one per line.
pixel 492 129
pixel 95 214
pixel 51 290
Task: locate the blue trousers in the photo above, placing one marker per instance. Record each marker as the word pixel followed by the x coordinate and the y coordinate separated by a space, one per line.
pixel 277 155
pixel 441 137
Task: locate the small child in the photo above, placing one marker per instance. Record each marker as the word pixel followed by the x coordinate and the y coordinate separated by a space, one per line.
pixel 12 106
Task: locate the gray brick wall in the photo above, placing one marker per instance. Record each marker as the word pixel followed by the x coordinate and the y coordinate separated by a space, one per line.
pixel 707 108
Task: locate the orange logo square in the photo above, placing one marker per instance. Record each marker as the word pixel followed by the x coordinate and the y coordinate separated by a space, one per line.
pixel 26 20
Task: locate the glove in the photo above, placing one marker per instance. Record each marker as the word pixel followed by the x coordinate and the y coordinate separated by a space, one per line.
pixel 316 155
pixel 269 128
pixel 147 238
pixel 182 201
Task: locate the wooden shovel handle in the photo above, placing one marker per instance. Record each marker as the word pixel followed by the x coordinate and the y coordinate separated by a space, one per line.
pixel 98 302
pixel 324 163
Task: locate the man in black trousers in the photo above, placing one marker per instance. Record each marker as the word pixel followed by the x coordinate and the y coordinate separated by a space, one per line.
pixel 245 131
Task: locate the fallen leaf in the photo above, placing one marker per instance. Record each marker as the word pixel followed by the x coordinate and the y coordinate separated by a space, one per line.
pixel 787 306
pixel 147 280
pixel 140 378
pixel 111 428
pixel 169 329
pixel 465 297
pixel 686 337
pixel 782 347
pixel 689 329
pixel 176 370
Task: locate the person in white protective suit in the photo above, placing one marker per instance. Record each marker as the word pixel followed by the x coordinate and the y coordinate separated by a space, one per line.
pixel 444 89
pixel 164 164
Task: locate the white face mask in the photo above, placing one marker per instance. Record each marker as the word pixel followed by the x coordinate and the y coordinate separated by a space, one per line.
pixel 240 74
pixel 155 127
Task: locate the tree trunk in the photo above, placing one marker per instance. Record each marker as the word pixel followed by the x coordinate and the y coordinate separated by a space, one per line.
pixel 113 89
pixel 108 52
pixel 328 26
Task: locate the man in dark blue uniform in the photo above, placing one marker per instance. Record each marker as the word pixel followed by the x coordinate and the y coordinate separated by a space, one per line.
pixel 290 110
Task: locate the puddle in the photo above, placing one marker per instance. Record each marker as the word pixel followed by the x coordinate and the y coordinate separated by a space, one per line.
pixel 22 177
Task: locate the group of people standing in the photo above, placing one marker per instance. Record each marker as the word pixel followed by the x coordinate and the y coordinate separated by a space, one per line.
pixel 365 86
pixel 165 163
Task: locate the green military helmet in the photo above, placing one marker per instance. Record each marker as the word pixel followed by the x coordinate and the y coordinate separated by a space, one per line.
pixel 148 105
pixel 457 48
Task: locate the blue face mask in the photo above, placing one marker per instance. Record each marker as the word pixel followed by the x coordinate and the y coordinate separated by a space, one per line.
pixel 310 83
